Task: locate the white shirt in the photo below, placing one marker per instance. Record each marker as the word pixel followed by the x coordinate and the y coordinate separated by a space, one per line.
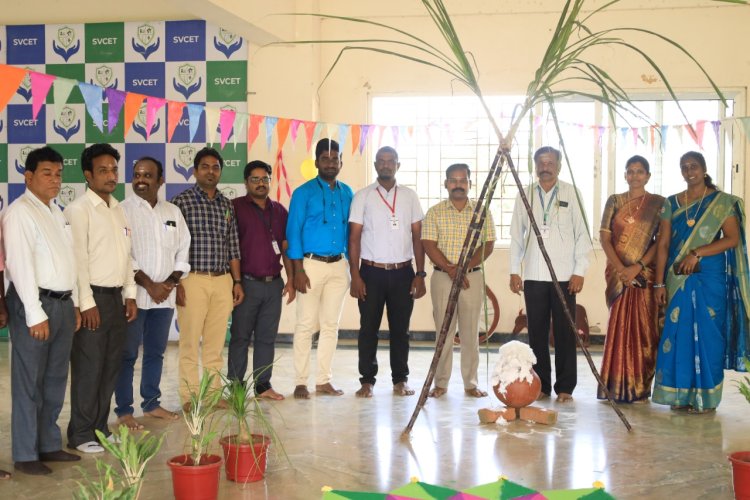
pixel 382 242
pixel 101 243
pixel 160 244
pixel 39 252
pixel 568 244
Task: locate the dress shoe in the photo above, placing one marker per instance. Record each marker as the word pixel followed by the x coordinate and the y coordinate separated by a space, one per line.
pixel 58 456
pixel 34 468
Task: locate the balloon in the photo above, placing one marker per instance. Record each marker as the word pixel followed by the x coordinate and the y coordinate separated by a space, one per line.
pixel 308 169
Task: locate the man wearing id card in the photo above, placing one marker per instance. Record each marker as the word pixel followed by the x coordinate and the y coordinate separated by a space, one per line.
pixel 261 225
pixel 385 228
pixel 563 228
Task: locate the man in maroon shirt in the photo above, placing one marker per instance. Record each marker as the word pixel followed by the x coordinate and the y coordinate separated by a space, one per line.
pixel 261 224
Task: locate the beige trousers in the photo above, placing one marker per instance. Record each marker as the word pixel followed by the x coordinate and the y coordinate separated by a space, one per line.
pixel 319 308
pixel 467 317
pixel 203 328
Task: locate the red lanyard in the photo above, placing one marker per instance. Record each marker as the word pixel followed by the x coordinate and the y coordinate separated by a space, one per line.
pixel 395 193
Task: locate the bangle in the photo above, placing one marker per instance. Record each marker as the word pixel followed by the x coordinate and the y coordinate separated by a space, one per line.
pixel 237 282
pixel 695 254
pixel 659 285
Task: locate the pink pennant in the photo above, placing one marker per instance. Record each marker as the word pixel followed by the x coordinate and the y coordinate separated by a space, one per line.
pixel 174 115
pixel 40 85
pixel 253 129
pixel 226 122
pixel 293 129
pixel 696 132
pixel 634 131
pixel 116 99
pixel 153 105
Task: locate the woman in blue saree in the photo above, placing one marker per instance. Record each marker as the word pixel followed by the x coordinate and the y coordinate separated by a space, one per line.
pixel 701 252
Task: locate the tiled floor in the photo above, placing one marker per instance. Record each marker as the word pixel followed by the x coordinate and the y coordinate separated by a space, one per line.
pixel 350 443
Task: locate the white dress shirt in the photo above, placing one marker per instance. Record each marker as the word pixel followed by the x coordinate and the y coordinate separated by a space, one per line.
pixel 568 244
pixel 160 244
pixel 382 240
pixel 39 252
pixel 101 242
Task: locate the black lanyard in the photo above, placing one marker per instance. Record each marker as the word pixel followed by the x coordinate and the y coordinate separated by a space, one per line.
pixel 261 214
pixel 341 200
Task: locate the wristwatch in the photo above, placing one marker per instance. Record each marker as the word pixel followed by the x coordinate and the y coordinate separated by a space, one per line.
pixel 421 274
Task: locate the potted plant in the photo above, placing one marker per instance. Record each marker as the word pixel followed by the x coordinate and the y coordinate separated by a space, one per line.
pixel 195 475
pixel 741 459
pixel 108 485
pixel 246 451
pixel 132 454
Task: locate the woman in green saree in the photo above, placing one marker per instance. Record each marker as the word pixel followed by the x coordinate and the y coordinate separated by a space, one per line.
pixel 702 254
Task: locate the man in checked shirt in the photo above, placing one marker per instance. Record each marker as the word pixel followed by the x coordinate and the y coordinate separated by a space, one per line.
pixel 206 297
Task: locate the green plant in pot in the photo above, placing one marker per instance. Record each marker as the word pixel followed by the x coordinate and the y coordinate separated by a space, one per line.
pixel 132 453
pixel 196 474
pixel 246 451
pixel 108 485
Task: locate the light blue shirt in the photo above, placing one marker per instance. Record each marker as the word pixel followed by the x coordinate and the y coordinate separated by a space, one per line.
pixel 318 219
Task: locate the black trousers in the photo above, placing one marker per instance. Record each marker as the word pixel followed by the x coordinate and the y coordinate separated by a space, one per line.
pixel 541 303
pixel 257 317
pixel 389 289
pixel 95 361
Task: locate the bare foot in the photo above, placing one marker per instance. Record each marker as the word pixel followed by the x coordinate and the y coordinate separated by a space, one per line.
pixel 301 392
pixel 4 474
pixel 436 392
pixel 542 395
pixel 564 397
pixel 365 391
pixel 402 389
pixel 130 422
pixel 475 392
pixel 161 413
pixel 271 394
pixel 641 401
pixel 328 390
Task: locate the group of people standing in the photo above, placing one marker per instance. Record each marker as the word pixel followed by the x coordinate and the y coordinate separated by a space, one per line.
pixel 677 289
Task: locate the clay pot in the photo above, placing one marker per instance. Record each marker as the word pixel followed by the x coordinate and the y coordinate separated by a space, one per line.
pixel 520 393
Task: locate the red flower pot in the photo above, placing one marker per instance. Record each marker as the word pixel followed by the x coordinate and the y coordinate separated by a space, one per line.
pixel 195 482
pixel 245 462
pixel 741 474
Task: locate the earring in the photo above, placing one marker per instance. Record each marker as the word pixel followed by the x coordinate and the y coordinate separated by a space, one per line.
pixel 705 175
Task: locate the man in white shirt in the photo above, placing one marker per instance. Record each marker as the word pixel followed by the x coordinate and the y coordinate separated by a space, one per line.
pixel 563 228
pixel 160 247
pixel 385 231
pixel 42 299
pixel 106 296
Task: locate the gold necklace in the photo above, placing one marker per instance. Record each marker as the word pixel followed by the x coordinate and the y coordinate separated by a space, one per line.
pixel 630 219
pixel 691 222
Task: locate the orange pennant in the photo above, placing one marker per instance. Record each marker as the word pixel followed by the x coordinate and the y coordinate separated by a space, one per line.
pixel 133 103
pixel 10 78
pixel 356 136
pixel 282 130
pixel 174 114
pixel 252 129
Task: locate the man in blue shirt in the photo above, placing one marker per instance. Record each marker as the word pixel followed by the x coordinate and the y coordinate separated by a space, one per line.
pixel 318 232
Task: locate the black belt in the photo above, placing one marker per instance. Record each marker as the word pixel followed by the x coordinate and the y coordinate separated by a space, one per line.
pixel 264 279
pixel 43 292
pixel 472 270
pixel 210 273
pixel 328 259
pixel 107 290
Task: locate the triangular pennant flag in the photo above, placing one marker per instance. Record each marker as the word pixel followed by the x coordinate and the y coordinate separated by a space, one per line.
pixel 381 129
pixel 663 137
pixel 226 122
pixel 280 169
pixel 61 91
pixel 316 133
pixel 116 99
pixel 175 109
pixel 294 129
pixel 40 85
pixel 410 131
pixel 282 131
pixel 270 123
pixel 394 132
pixel 212 123
pixel 252 129
pixel 309 131
pixel 329 130
pixel 746 126
pixel 153 105
pixel 696 132
pixel 624 133
pixel 364 136
pixel 716 125
pixel 343 133
pixel 10 78
pixel 651 131
pixel 240 123
pixel 92 96
pixel 679 129
pixel 194 118
pixel 600 135
pixel 132 106
pixel 356 137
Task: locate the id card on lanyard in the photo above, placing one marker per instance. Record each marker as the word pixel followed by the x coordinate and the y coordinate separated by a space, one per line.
pixel 269 226
pixel 544 229
pixel 392 208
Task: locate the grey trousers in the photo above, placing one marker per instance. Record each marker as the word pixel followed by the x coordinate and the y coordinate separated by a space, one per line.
pixel 39 376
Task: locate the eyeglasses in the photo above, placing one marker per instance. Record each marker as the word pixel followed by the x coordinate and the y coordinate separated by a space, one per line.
pixel 453 180
pixel 257 180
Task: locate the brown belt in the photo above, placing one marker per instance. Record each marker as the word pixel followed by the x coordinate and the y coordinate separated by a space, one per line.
pixel 472 270
pixel 328 259
pixel 210 273
pixel 387 267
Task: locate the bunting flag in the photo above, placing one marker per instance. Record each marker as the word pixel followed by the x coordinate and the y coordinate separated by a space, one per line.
pixel 153 104
pixel 175 109
pixel 92 96
pixel 663 137
pixel 716 125
pixel 226 124
pixel 240 123
pixel 253 129
pixel 343 134
pixel 356 137
pixel 61 91
pixel 294 129
pixel 282 131
pixel 280 169
pixel 133 103
pixel 116 99
pixel 310 128
pixel 365 132
pixel 195 111
pixel 40 85
pixel 10 80
pixel 746 126
pixel 696 132
pixel 270 123
pixel 212 123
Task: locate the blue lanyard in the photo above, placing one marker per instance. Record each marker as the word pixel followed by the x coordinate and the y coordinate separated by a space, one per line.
pixel 549 203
